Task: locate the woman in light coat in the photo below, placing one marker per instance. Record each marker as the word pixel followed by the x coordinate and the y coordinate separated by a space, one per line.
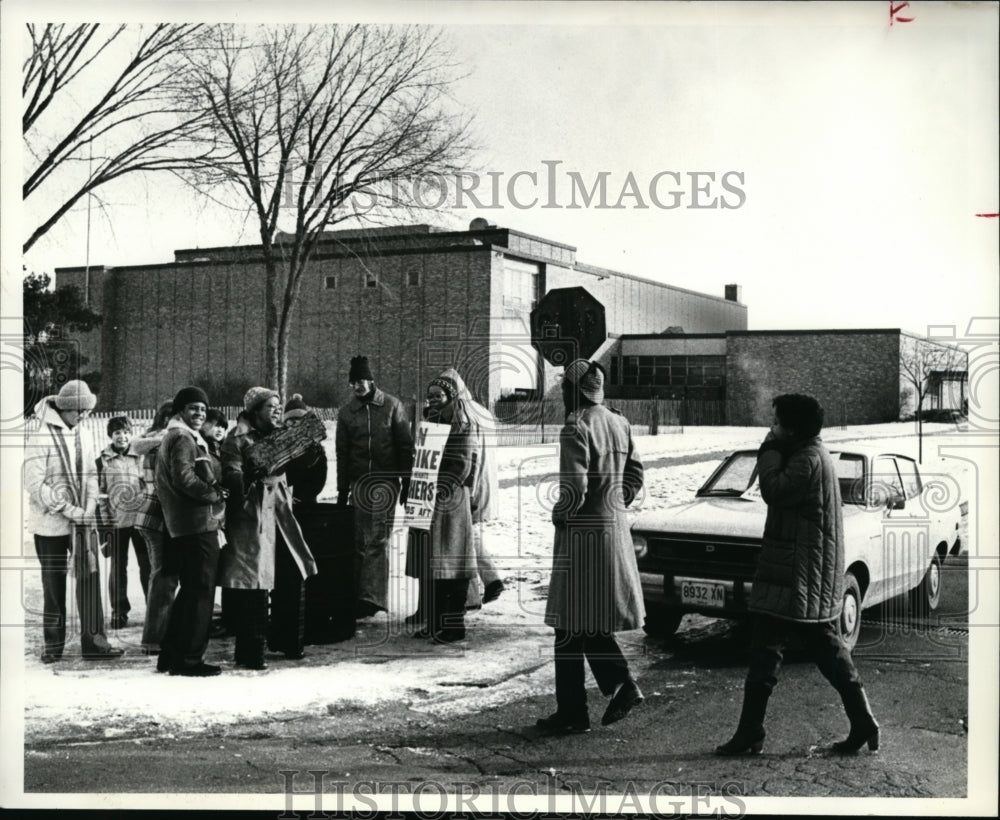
pixel 444 557
pixel 265 549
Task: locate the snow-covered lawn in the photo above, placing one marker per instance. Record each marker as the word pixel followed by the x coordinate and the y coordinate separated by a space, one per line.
pixel 506 656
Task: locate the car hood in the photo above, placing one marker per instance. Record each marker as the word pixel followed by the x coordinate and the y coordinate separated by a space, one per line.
pixel 736 517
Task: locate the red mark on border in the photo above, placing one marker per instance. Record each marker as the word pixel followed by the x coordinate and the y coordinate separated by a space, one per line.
pixel 895 9
pixel 989 216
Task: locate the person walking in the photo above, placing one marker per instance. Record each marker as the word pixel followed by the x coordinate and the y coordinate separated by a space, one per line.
pixel 798 589
pixel 191 514
pixel 119 477
pixel 163 580
pixel 264 548
pixel 62 504
pixel 595 589
pixel 443 558
pixel 374 446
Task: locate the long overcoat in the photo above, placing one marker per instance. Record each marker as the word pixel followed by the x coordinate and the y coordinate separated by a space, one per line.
pixel 447 551
pixel 255 514
pixel 595 586
pixel 800 574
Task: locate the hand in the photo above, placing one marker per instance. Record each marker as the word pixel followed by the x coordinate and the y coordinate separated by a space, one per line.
pixel 404 492
pixel 106 549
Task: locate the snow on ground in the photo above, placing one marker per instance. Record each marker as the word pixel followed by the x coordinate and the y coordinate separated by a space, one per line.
pixel 507 655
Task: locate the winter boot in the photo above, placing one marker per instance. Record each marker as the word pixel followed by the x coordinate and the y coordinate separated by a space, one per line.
pixel 864 728
pixel 452 623
pixel 749 737
pixel 435 602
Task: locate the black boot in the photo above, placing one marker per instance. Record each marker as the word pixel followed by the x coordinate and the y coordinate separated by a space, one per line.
pixel 434 606
pixel 749 737
pixel 864 728
pixel 452 624
pixel 423 595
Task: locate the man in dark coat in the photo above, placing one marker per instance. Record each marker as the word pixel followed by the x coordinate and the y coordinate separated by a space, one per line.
pixel 799 585
pixel 595 589
pixel 374 454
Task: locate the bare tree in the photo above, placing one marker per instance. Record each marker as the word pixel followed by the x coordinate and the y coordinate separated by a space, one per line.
pixel 98 106
pixel 325 122
pixel 926 366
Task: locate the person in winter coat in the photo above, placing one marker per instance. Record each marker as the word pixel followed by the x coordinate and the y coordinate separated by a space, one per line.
pixel 595 589
pixel 444 558
pixel 191 514
pixel 265 549
pixel 62 505
pixel 119 475
pixel 163 580
pixel 798 589
pixel 485 494
pixel 306 475
pixel 374 454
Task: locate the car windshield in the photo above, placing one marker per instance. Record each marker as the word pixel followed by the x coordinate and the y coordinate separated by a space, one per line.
pixel 734 477
pixel 737 476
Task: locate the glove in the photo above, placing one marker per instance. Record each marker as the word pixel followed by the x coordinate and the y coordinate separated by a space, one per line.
pixel 106 548
pixel 404 491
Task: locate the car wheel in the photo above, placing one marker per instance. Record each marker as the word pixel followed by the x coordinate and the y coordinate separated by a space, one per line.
pixel 926 596
pixel 662 622
pixel 850 614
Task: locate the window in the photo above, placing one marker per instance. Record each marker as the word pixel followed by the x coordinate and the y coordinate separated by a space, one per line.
pixel 911 479
pixel 331 282
pixel 520 284
pixel 886 483
pixel 674 371
pixel 413 278
pixel 371 281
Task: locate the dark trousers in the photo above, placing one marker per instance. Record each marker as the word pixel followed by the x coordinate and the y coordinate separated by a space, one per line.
pixel 54 554
pixel 163 570
pixel 248 610
pixel 771 635
pixel 606 662
pixel 191 615
pixel 288 604
pixel 118 575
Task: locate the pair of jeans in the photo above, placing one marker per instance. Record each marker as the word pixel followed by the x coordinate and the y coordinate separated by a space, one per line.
pixel 54 555
pixel 118 574
pixel 191 615
pixel 771 635
pixel 163 580
pixel 606 661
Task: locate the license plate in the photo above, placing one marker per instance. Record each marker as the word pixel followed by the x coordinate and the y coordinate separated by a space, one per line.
pixel 699 593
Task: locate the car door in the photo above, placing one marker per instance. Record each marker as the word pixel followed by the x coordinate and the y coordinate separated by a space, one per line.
pixel 904 535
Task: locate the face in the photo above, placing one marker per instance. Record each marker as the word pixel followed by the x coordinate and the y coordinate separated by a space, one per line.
pixel 219 433
pixel 780 431
pixel 193 415
pixel 362 387
pixel 436 397
pixel 120 439
pixel 268 415
pixel 73 417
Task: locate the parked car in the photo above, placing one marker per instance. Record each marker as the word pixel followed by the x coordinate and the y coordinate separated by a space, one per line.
pixel 702 556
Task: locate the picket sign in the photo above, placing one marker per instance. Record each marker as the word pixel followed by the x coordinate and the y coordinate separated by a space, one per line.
pixel 427 452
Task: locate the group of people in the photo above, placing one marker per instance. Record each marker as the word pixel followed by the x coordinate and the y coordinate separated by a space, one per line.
pixel 199 514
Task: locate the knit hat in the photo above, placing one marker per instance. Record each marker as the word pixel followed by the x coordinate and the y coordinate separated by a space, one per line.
pixel 446 384
pixel 189 395
pixel 360 371
pixel 588 378
pixel 75 395
pixel 256 396
pixel 296 408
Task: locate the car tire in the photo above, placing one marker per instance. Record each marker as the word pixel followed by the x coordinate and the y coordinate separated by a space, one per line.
pixel 849 622
pixel 925 597
pixel 662 622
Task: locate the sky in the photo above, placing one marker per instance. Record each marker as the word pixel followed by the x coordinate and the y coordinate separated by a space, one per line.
pixel 856 154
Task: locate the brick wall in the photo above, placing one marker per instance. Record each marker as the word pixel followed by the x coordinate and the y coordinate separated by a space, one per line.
pixel 853 374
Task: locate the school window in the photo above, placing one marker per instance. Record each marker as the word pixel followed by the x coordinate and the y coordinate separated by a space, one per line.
pixel 371 281
pixel 413 278
pixel 331 282
pixel 673 371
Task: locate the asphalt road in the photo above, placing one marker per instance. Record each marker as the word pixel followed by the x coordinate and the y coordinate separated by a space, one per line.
pixel 916 674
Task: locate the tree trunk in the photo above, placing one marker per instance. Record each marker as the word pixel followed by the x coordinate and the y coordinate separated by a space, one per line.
pixel 271 335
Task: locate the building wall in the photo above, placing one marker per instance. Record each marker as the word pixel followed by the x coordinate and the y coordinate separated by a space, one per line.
pixel 853 374
pixel 637 306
